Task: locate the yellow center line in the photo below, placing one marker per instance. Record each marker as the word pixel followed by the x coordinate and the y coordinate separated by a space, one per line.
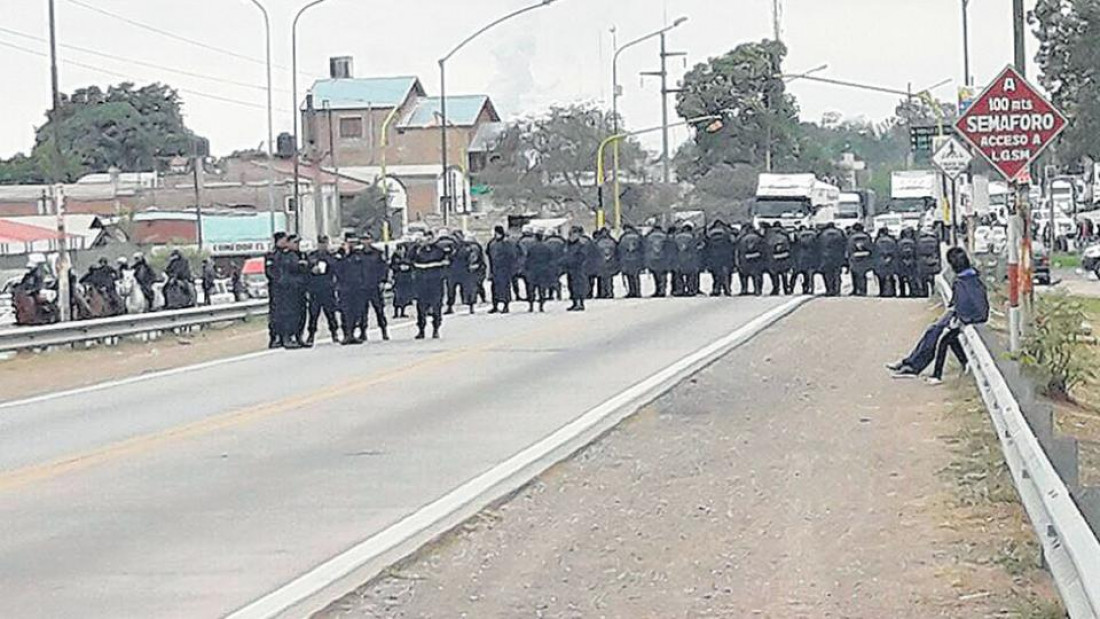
pixel 20 477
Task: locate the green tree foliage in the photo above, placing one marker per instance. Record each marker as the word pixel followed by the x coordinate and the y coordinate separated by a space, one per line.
pixel 550 159
pixel 1058 347
pixel 1069 57
pixel 134 129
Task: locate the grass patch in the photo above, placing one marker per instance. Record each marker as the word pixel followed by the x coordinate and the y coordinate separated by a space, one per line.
pixel 1065 261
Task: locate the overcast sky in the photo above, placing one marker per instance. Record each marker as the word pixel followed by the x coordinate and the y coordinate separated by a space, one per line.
pixel 559 54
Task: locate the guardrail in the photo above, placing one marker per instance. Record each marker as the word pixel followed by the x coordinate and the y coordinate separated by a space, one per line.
pixel 1070 548
pixel 107 329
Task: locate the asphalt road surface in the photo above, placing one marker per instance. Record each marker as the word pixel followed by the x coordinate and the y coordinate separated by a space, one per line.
pixel 193 493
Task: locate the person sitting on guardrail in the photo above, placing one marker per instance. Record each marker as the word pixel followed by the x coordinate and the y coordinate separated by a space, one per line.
pixel 969 306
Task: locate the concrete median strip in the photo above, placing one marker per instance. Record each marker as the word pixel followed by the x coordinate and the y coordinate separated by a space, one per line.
pixel 315 589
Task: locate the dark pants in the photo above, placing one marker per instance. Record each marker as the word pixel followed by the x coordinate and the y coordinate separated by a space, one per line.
pixel 781 282
pixel 807 277
pixel 502 290
pixel 207 292
pixel 578 288
pixel 150 297
pixel 887 286
pixel 606 287
pixel 660 283
pixel 949 341
pixel 322 301
pixel 721 284
pixel 752 283
pixel 374 301
pixel 859 283
pixel 633 285
pixel 353 306
pixel 429 303
pixel 832 281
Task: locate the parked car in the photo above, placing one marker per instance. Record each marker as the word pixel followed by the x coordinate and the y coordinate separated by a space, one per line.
pixel 254 278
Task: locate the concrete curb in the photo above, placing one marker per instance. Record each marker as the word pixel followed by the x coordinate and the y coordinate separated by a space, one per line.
pixel 316 589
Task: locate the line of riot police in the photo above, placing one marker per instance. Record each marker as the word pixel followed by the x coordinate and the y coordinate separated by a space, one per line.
pixel 437 273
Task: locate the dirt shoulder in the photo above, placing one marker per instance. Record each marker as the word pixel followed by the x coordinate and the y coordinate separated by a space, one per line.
pixel 30 374
pixel 793 478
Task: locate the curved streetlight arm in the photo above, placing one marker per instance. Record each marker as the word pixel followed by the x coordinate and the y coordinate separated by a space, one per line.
pixel 295 109
pixel 623 48
pixel 492 25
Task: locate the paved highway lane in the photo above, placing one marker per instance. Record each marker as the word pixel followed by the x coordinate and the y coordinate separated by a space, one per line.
pixel 194 493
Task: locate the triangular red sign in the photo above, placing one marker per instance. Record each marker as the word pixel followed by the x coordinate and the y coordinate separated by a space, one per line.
pixel 1011 123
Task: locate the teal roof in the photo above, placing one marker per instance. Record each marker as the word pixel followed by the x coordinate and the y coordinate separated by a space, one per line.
pixel 461 111
pixel 240 228
pixel 359 93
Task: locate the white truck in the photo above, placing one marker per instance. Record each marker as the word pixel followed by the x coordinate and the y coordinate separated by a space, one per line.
pixel 914 196
pixel 855 207
pixel 794 200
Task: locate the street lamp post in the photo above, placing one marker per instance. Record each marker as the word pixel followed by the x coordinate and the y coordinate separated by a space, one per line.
pixel 294 109
pixel 270 120
pixel 445 197
pixel 966 42
pixel 615 94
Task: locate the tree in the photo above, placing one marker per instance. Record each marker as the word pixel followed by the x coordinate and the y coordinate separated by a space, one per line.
pixel 744 86
pixel 133 129
pixel 550 159
pixel 1069 58
pixel 367 212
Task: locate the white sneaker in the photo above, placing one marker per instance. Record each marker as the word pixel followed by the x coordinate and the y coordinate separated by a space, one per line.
pixel 933 381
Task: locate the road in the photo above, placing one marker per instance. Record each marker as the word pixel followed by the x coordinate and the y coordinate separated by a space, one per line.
pixel 193 493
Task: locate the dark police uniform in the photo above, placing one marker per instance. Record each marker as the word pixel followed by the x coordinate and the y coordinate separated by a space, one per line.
pixel 886 261
pixel 608 266
pixel 780 260
pixel 502 266
pixel 430 262
pixel 750 261
pixel 807 258
pixel 322 293
pixel 834 250
pixel 721 254
pixel 861 261
pixel 632 260
pixel 658 259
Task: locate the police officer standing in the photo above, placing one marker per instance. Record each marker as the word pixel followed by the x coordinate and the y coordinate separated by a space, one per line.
pixel 928 263
pixel 688 261
pixel 299 278
pixel 860 259
pixel 540 271
pixel 907 263
pixel 577 260
pixel 321 265
pixel 834 250
pixel 886 260
pixel 274 290
pixel 609 264
pixel 351 285
pixel 474 257
pixel 720 257
pixel 779 260
pixel 750 261
pixel 377 273
pixel 403 292
pixel 502 266
pixel 430 261
pixel 658 254
pixel 807 258
pixel 632 260
pixel 557 246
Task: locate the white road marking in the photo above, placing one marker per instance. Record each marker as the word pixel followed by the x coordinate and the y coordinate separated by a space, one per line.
pixel 480 489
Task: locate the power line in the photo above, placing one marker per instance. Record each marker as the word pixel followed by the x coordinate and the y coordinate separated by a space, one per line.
pixel 140 62
pixel 89 67
pixel 177 37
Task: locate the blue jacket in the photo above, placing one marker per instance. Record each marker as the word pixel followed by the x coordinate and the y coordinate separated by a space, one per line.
pixel 969 298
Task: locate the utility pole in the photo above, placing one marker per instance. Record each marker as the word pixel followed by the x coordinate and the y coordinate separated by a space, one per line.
pixel 1019 233
pixel 777 19
pixel 197 170
pixel 63 262
pixel 966 42
pixel 666 164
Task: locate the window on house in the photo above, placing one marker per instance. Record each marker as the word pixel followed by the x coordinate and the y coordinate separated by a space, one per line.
pixel 351 128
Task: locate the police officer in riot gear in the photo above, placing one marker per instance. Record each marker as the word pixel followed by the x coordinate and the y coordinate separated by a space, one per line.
pixel 688 261
pixel 632 260
pixel 502 265
pixel 557 246
pixel 861 254
pixel 751 261
pixel 351 285
pixel 779 260
pixel 430 261
pixel 577 260
pixel 834 251
pixel 807 258
pixel 720 257
pixel 608 267
pixel 541 272
pixel 377 273
pixel 908 275
pixel 886 262
pixel 274 296
pixel 928 263
pixel 658 255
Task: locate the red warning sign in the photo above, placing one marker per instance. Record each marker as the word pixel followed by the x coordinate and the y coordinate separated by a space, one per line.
pixel 1011 123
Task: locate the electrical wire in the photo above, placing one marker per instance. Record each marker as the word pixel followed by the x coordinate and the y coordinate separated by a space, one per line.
pixel 124 76
pixel 140 62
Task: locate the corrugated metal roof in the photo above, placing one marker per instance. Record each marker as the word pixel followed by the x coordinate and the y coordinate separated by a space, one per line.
pixel 461 111
pixel 14 231
pixel 240 228
pixel 359 93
